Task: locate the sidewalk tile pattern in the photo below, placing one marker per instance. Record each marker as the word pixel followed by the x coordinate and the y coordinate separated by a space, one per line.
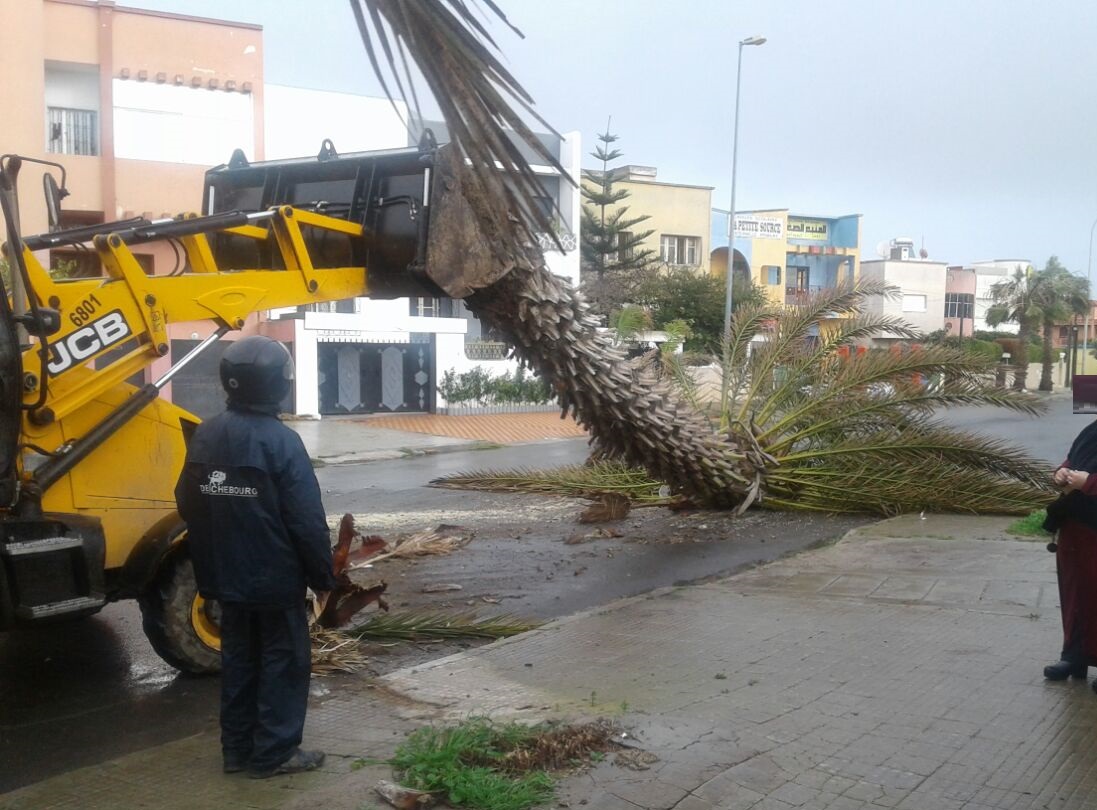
pixel 501 428
pixel 889 671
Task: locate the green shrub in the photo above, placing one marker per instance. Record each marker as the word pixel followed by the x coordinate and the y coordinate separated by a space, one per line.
pixel 478 386
pixel 1030 526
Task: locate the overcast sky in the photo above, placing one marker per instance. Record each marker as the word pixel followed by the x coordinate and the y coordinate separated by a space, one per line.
pixel 969 124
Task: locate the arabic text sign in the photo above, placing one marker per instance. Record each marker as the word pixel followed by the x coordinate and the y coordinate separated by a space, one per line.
pixel 816 229
pixel 750 227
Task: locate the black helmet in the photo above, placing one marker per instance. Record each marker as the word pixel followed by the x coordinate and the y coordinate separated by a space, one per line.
pixel 256 370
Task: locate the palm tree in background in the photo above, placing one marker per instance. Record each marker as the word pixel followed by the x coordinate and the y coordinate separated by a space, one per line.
pixel 1014 302
pixel 1058 295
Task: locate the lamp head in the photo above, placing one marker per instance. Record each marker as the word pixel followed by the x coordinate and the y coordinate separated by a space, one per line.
pixel 753 41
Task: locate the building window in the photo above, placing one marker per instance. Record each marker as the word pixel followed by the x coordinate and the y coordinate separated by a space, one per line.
pixel 772 273
pixel 914 303
pixel 680 250
pixel 959 305
pixel 624 249
pixel 1064 333
pixel 424 307
pixel 72 132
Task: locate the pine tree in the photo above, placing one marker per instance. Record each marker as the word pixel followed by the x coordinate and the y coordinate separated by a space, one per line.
pixel 611 256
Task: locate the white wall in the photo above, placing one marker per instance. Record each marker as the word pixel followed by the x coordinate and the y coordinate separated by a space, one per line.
pixel 916 280
pixel 987 274
pixel 298 120
pixel 174 124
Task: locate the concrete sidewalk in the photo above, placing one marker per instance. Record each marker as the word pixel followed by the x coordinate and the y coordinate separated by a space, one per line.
pixel 358 439
pixel 900 668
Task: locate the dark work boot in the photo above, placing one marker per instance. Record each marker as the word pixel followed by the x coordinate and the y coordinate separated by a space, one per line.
pixel 1061 670
pixel 298 762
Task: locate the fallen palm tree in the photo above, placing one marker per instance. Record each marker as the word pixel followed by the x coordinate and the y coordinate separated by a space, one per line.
pixel 834 428
pixel 795 424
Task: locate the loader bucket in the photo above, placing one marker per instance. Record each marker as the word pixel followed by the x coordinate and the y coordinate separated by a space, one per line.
pixel 419 239
pixel 459 258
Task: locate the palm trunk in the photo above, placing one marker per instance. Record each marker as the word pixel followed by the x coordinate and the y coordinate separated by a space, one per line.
pixel 1020 362
pixel 1046 361
pixel 632 416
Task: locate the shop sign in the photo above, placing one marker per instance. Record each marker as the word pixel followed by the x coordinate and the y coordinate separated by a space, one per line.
pixel 751 227
pixel 816 229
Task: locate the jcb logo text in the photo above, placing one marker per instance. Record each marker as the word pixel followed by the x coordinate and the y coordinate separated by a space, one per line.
pixel 87 341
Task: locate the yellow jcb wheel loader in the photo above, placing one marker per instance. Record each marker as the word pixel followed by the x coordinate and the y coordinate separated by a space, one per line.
pixel 88 462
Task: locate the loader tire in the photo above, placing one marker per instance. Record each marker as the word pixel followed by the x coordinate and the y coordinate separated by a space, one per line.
pixel 182 627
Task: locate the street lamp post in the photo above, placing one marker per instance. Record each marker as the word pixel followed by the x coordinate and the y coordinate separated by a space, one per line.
pixel 734 161
pixel 1089 296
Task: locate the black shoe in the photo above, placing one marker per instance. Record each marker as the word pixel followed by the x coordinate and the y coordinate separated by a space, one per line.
pixel 299 762
pixel 1061 670
pixel 232 762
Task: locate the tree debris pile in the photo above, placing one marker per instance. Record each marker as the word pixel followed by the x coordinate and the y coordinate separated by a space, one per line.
pixel 335 650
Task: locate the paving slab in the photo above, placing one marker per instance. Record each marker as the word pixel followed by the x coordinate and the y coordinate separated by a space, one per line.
pixel 354 440
pixel 898 668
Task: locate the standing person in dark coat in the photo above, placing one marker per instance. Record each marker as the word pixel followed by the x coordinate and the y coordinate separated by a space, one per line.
pixel 258 536
pixel 1074 516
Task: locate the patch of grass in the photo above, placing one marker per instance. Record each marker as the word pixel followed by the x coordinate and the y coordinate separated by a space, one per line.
pixel 484 765
pixel 1030 525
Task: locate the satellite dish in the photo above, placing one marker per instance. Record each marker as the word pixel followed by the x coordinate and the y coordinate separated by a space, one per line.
pixel 883 249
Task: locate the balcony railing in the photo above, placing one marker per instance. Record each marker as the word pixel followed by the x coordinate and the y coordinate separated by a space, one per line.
pixel 567 240
pixel 798 296
pixel 485 350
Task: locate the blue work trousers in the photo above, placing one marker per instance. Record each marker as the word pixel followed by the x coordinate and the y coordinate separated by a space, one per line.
pixel 266 661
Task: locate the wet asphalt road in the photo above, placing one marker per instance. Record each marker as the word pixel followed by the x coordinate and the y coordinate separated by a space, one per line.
pixel 75 694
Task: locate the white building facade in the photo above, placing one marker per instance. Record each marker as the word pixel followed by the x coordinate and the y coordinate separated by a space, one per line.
pixel 385 356
pixel 987 274
pixel 921 297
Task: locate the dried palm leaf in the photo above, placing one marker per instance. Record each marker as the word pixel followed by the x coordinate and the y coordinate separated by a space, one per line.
pixel 442 540
pixel 477 96
pixel 333 651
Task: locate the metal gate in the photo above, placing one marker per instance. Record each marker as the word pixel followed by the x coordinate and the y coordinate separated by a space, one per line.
pixel 198 386
pixel 376 377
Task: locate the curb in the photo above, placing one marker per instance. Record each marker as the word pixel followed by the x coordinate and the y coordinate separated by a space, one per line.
pixel 398 453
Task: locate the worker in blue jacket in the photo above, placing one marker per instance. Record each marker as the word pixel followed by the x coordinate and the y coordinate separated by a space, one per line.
pixel 258 536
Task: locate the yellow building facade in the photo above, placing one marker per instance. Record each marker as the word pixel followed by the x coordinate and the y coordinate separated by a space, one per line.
pixel 679 216
pixel 789 255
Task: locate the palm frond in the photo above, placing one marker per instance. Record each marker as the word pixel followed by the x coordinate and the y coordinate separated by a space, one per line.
pixel 791 328
pixel 578 481
pixel 478 97
pixel 941 487
pixel 915 445
pixel 842 382
pixel 434 626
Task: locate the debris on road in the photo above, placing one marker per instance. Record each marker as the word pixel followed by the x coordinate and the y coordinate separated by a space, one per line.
pixel 403 798
pixel 442 587
pixel 442 540
pixel 333 651
pixel 606 507
pixel 635 759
